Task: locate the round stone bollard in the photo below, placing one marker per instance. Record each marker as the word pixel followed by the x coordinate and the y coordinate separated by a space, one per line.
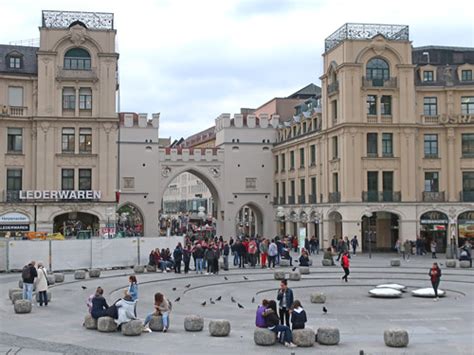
pixel 59 277
pixel 94 273
pixel 318 297
pixel 328 336
pixel 294 276
pixel 48 295
pixel 139 269
pixel 395 262
pixel 327 262
pixel 303 337
pixel 106 325
pixel 193 323
pixel 151 268
pixel 284 262
pixel 15 296
pixel 79 274
pixel 451 263
pixel 396 338
pixel 51 280
pixel 22 306
pixel 304 270
pixel 14 290
pixel 132 328
pixel 219 328
pixel 89 322
pixel 156 323
pixel 464 264
pixel 20 284
pixel 265 337
pixel 279 275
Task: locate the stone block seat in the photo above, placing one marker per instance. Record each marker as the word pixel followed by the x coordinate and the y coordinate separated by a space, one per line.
pixel 58 277
pixel 14 290
pixel 219 328
pixel 396 338
pixel 265 337
pixel 156 323
pixel 20 284
pixel 22 306
pixel 450 263
pixel 151 268
pixel 279 275
pixel 318 297
pixel 193 323
pixel 284 262
pixel 139 269
pixel 303 337
pixel 464 264
pixel 328 336
pixel 94 273
pixel 106 325
pixel 51 279
pixel 294 276
pixel 395 262
pixel 304 270
pixel 132 328
pixel 79 274
pixel 15 296
pixel 327 262
pixel 89 322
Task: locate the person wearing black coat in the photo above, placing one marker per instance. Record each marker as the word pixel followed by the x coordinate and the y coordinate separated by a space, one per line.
pixel 298 316
pixel 99 304
pixel 187 258
pixel 178 257
pixel 285 298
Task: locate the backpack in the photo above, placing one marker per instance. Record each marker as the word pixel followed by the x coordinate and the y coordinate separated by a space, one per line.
pixel 26 273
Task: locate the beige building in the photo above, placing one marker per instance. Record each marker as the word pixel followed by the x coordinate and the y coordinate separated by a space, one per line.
pixel 390 152
pixel 58 127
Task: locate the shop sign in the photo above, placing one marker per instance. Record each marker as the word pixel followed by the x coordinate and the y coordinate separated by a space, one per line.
pixel 14 227
pixel 14 217
pixel 60 195
pixel 434 221
pixel 456 119
pixel 434 217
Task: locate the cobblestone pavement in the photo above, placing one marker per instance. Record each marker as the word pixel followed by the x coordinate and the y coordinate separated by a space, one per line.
pixel 444 327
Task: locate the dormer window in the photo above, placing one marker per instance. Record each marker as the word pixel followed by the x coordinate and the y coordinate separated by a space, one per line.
pixel 428 76
pixel 77 59
pixel 466 75
pixel 14 62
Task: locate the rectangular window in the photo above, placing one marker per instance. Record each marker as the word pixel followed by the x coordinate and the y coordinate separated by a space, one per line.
pixel 431 145
pixel 428 75
pixel 85 179
pixel 432 181
pixel 335 182
pixel 372 185
pixel 14 63
pixel 292 188
pixel 14 179
pixel 386 105
pixel 301 157
pixel 85 99
pixel 277 190
pixel 335 151
pixel 334 110
pixel 468 145
pixel 313 190
pixel 468 181
pixel 312 149
pixel 372 145
pixel 283 167
pixel 466 75
pixel 69 98
pixel 67 179
pixel 15 96
pixel 372 104
pixel 85 140
pixel 68 140
pixel 276 164
pixel 387 181
pixel 292 160
pixel 304 128
pixel 302 188
pixel 467 105
pixel 430 106
pixel 387 144
pixel 283 192
pixel 15 140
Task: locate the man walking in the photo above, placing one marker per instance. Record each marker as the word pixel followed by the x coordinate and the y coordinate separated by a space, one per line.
pixel 28 275
pixel 355 244
pixel 285 298
pixel 345 265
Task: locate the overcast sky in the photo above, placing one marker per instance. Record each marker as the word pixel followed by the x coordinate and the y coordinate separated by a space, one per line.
pixel 192 60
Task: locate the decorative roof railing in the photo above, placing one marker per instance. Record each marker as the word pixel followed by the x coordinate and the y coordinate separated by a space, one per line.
pixel 366 31
pixel 92 20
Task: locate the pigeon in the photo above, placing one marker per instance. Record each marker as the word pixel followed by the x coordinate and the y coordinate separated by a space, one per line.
pixel 225 278
pixel 245 278
pixel 203 304
pixel 212 302
pixel 325 310
pixel 84 287
pixel 219 298
pixel 174 288
pixel 188 286
pixel 293 269
pixel 239 305
pixel 232 299
pixel 177 300
pixel 253 299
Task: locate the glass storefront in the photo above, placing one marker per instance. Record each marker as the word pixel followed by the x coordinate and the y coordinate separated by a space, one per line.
pixel 466 228
pixel 434 226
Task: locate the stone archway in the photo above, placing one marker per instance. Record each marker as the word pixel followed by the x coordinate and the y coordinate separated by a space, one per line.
pixel 380 230
pixel 249 220
pixel 130 220
pixel 76 224
pixel 335 225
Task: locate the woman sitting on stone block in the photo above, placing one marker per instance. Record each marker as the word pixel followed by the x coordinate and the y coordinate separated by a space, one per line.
pixel 126 309
pixel 163 309
pixel 259 320
pixel 272 322
pixel 298 316
pixel 304 258
pixel 99 304
pixel 328 255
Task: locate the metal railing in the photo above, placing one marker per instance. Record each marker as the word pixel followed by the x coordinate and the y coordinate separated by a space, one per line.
pixel 11 196
pixel 333 87
pixel 334 197
pixel 430 196
pixel 312 198
pixel 70 74
pixel 282 200
pixel 291 200
pixel 381 196
pixel 301 199
pixel 466 196
pixel 390 83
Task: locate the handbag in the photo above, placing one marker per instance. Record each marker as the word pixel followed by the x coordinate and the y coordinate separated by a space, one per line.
pixel 46 277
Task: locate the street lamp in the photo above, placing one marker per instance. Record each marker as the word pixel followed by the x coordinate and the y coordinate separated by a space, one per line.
pixel 369 236
pixel 201 214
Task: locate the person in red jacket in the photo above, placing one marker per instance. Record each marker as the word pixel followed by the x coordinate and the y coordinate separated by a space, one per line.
pixel 435 275
pixel 345 264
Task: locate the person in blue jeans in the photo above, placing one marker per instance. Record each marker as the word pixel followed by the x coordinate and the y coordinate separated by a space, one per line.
pixel 163 309
pixel 273 323
pixel 133 287
pixel 199 255
pixel 28 275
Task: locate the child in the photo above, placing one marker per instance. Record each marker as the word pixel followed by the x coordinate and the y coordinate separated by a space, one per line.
pixel 298 316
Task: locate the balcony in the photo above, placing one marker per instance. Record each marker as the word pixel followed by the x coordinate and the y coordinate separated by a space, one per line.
pixel 275 200
pixel 430 196
pixel 312 199
pixel 291 200
pixel 10 196
pixel 381 196
pixel 333 88
pixel 85 75
pixel 334 197
pixel 282 201
pixel 430 119
pixel 390 83
pixel 301 199
pixel 467 196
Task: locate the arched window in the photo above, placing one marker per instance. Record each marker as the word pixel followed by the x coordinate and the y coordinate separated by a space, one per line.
pixel 377 68
pixel 77 59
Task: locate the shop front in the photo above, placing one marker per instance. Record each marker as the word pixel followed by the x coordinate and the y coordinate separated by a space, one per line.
pixel 434 226
pixel 14 224
pixel 466 228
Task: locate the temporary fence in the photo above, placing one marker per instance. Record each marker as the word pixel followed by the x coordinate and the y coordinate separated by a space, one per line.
pixel 77 254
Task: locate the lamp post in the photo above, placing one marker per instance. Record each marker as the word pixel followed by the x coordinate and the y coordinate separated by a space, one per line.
pixel 201 214
pixel 369 235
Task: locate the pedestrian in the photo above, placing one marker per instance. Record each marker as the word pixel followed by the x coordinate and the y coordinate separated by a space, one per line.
pixel 328 255
pixel 252 252
pixel 272 254
pixel 466 252
pixel 133 287
pixel 28 276
pixel 42 285
pixel 199 255
pixel 345 265
pixel 264 252
pixel 406 250
pixel 433 246
pixel 225 256
pixel 342 247
pixel 163 309
pixel 178 258
pixel 187 257
pixel 271 322
pixel 285 298
pixel 398 247
pixel 355 245
pixel 435 275
pixel 298 316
